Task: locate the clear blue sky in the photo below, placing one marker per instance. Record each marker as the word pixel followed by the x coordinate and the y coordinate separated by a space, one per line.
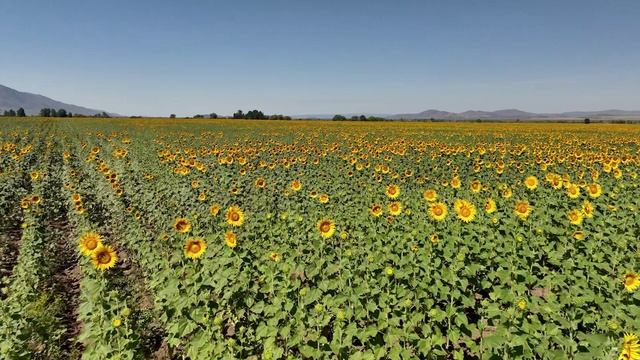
pixel 302 56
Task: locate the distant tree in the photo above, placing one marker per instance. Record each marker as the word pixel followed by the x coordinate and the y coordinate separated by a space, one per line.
pixel 45 112
pixel 12 112
pixel 238 115
pixel 362 118
pixel 172 116
pixel 213 116
pixel 255 114
pixel 198 116
pixel 21 113
pixel 62 113
pixel 355 118
pixel 69 114
pixel 587 121
pixel 339 118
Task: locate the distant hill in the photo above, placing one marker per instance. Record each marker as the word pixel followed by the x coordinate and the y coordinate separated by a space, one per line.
pixel 506 114
pixel 512 114
pixel 32 103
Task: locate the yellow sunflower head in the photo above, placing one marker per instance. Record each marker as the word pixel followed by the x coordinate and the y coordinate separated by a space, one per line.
pixel 326 227
pixel 631 281
pixel 434 238
pixel 393 191
pixel 594 190
pixel 296 185
pixel 430 195
pixel 490 206
pixel 630 347
pixel 438 211
pixel 531 182
pixel 89 242
pixel 274 256
pixel 194 248
pixel 587 209
pixel 573 191
pixel 476 186
pixel 466 210
pixel 323 198
pixel 575 217
pixel 230 239
pixel 507 193
pixel 234 216
pixel 214 209
pixel 578 235
pixel 395 208
pixel 376 210
pixel 104 257
pixel 455 182
pixel 522 209
pixel 260 183
pixel 182 225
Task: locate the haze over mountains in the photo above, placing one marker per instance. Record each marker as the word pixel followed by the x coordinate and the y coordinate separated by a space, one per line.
pixel 33 103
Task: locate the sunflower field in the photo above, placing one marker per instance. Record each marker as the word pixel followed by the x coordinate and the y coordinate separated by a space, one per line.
pixel 239 239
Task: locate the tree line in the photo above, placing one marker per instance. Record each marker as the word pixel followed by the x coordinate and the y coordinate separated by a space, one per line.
pixel 11 112
pixel 252 115
pixel 357 118
pixel 50 112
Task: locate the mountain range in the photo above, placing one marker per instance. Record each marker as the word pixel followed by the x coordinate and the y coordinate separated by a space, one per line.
pixel 512 114
pixel 32 103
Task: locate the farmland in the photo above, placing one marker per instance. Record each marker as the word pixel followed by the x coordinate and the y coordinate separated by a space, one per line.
pixel 201 239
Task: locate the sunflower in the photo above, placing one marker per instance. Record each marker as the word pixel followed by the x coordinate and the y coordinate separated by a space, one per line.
pixel 438 211
pixel 587 209
pixel 296 185
pixel 260 183
pixel 234 216
pixel 376 210
pixel 490 206
pixel 434 238
pixel 466 211
pixel 631 281
pixel 594 190
pixel 578 235
pixel 476 186
pixel 430 195
pixel 522 209
pixel 214 209
pixel 323 198
pixel 575 217
pixel 230 239
pixel 393 191
pixel 182 225
pixel 455 182
pixel 274 256
pixel 395 208
pixel 194 248
pixel 507 193
pixel 89 242
pixel 326 228
pixel 573 191
pixel 104 257
pixel 630 348
pixel 531 182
